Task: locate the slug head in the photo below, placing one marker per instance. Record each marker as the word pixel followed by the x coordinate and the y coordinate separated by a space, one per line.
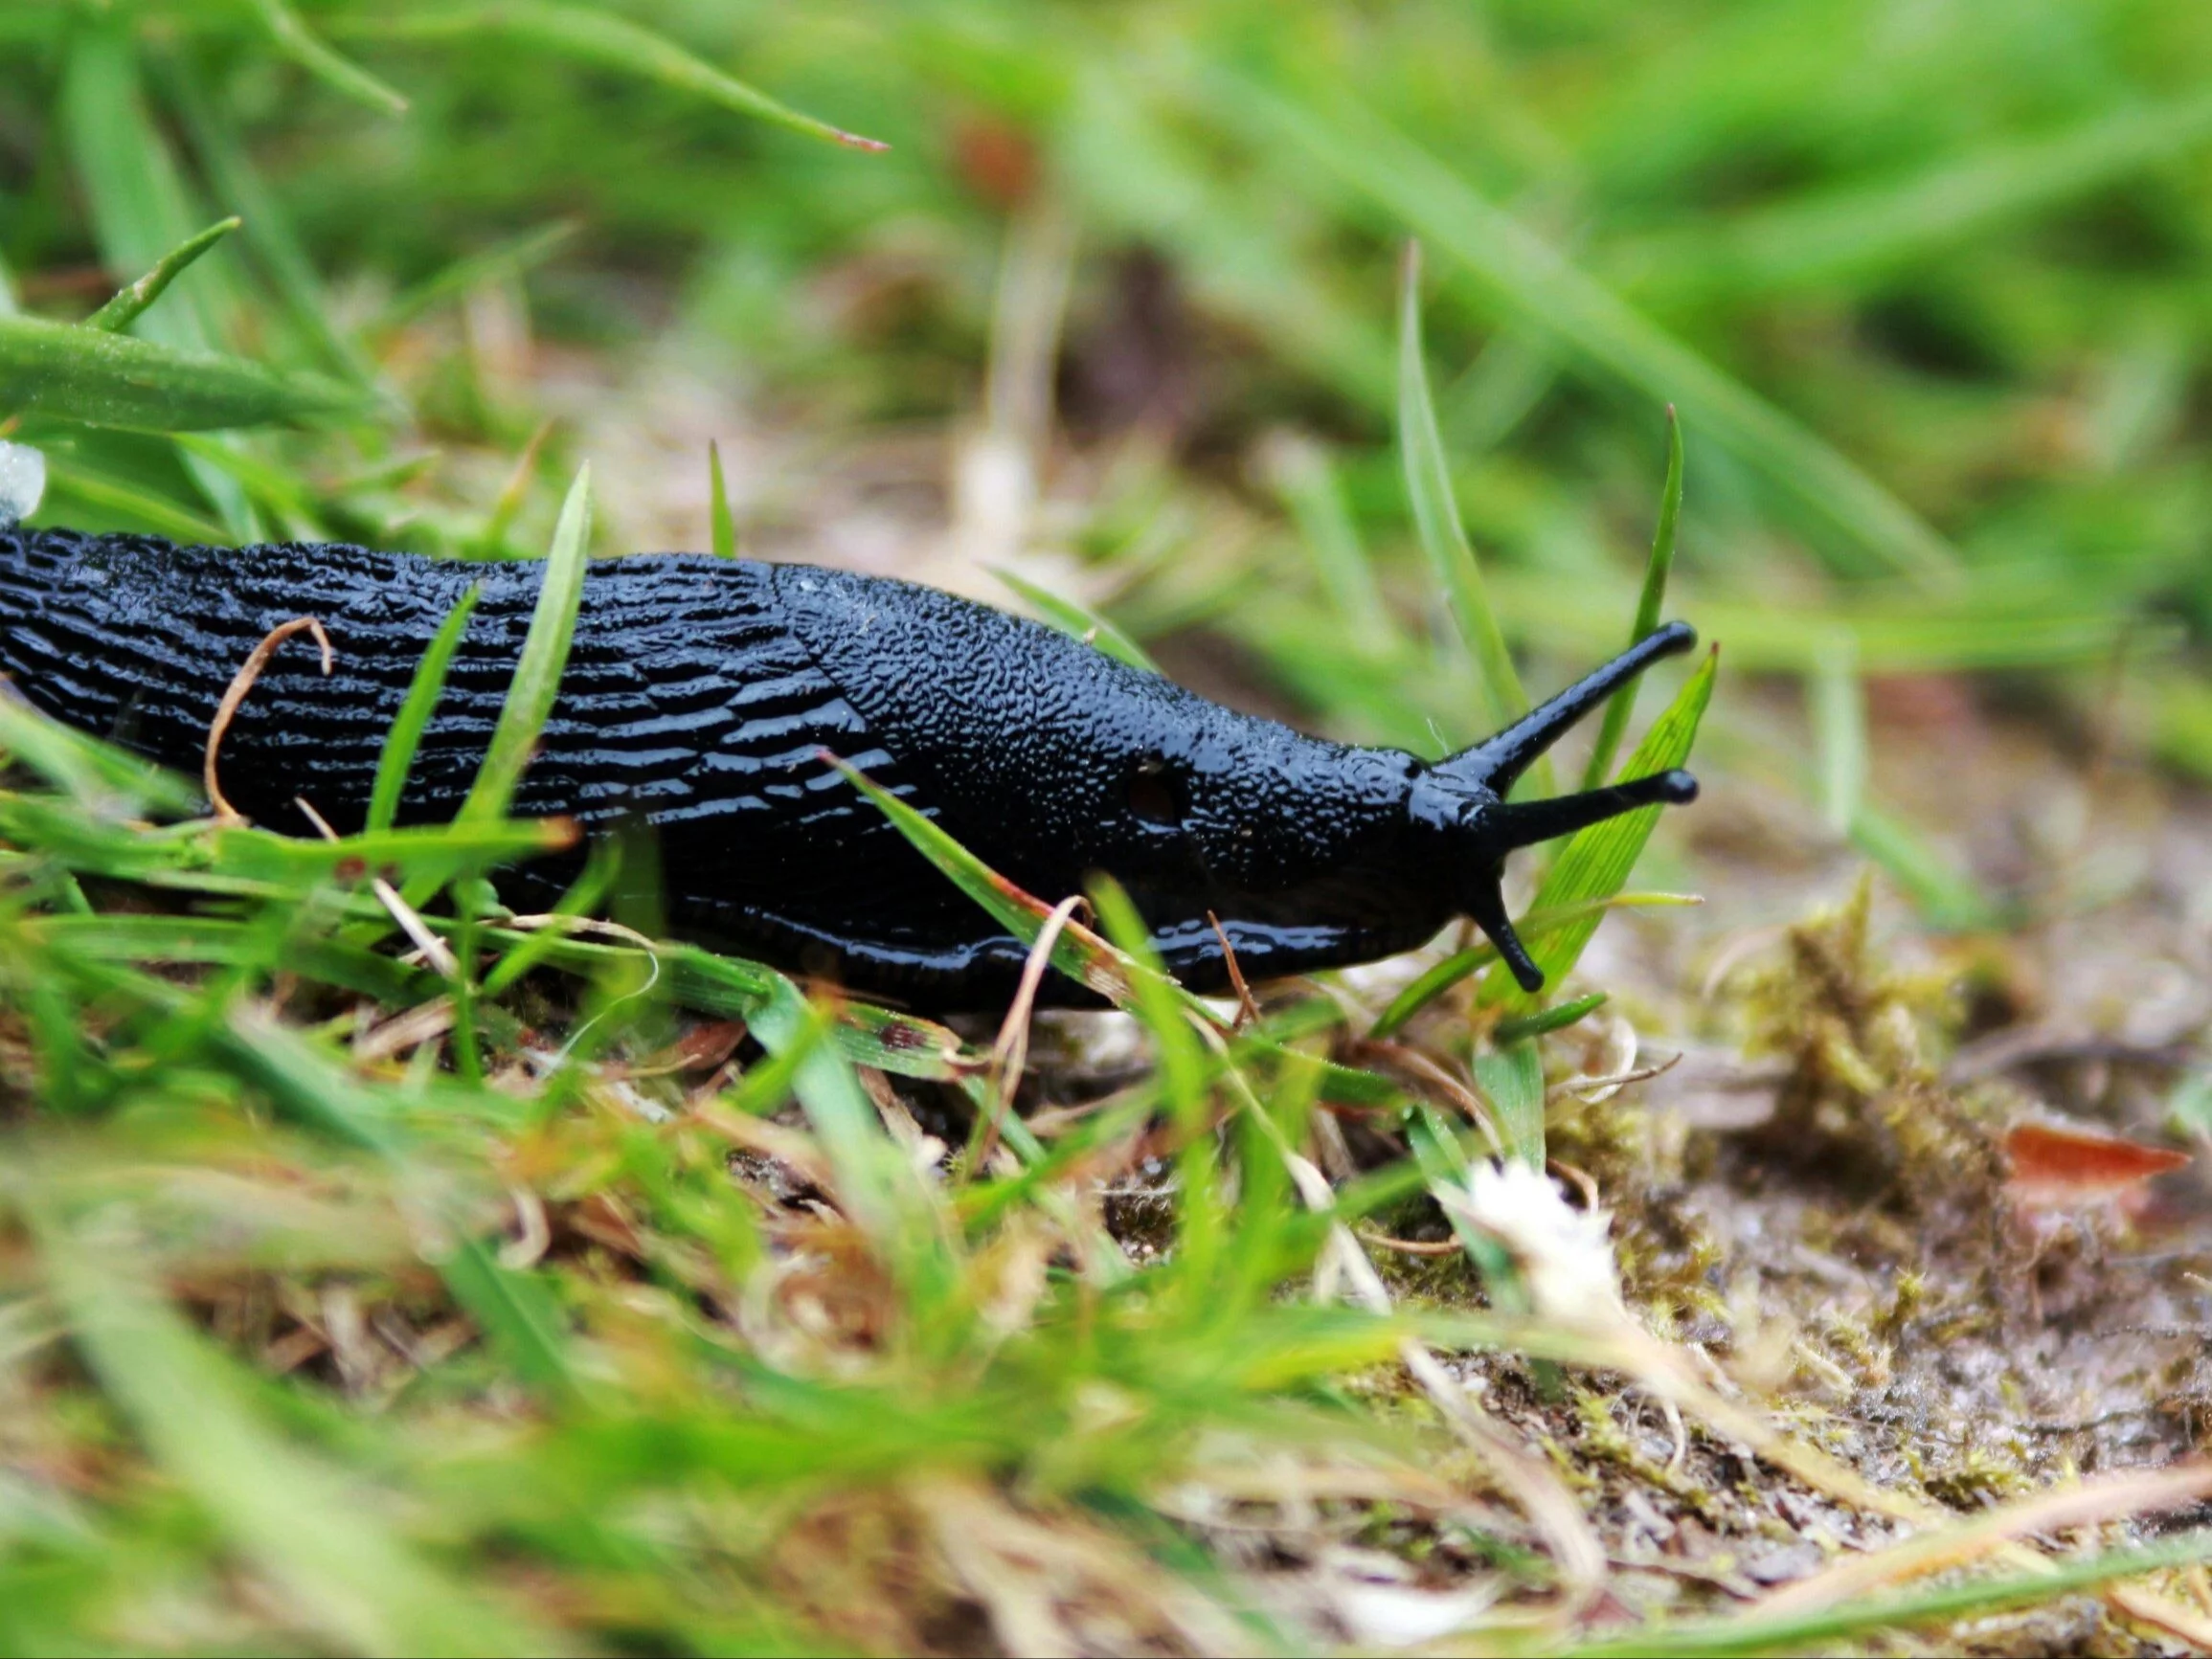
pixel 1458 805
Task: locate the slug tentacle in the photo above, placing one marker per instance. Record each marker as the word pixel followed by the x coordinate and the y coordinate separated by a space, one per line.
pixel 1461 800
pixel 1498 762
pixel 1525 822
pixel 1486 901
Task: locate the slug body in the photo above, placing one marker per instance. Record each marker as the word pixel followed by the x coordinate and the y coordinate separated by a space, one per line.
pixel 701 696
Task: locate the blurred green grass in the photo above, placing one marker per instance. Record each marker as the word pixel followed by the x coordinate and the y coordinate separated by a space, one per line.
pixel 1924 282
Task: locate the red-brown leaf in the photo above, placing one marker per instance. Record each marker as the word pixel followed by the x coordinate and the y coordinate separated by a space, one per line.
pixel 2059 1164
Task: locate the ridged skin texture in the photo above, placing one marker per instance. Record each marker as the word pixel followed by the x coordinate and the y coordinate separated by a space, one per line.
pixel 699 697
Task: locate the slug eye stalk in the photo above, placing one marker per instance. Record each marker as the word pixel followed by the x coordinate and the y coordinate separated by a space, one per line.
pixel 1497 763
pixel 1492 768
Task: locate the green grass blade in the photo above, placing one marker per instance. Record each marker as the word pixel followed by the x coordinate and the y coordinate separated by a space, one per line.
pixel 284 1509
pixel 1537 923
pixel 1859 232
pixel 422 693
pixel 98 379
pixel 1546 1020
pixel 1182 1061
pixel 1749 1630
pixel 1598 860
pixel 597 38
pixel 1526 276
pixel 267 482
pixel 500 263
pixel 271 235
pixel 1948 899
pixel 124 502
pixel 442 851
pixel 1437 517
pixel 128 306
pixel 1512 1081
pixel 1647 609
pixel 1308 484
pixel 517 1314
pixel 1838 702
pixel 103 780
pixel 730 986
pixel 1080 953
pixel 1982 627
pixel 212 941
pixel 140 209
pixel 304 47
pixel 879 1188
pixel 1444 1162
pixel 138 205
pixel 1183 1076
pixel 721 522
pixel 545 654
pixel 512 1309
pixel 2182 728
pixel 1079 620
pixel 1083 955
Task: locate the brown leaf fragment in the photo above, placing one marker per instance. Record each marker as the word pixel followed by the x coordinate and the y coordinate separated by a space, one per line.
pixel 704 1047
pixel 2053 1164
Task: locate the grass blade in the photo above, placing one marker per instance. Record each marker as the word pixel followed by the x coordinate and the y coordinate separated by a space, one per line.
pixel 721 524
pixel 1948 899
pixel 1437 517
pixel 1554 1019
pixel 214 941
pixel 1838 705
pixel 284 1509
pixel 1307 483
pixel 1598 860
pixel 140 206
pixel 100 778
pixel 1078 952
pixel 349 80
pixel 503 263
pixel 141 210
pixel 517 1314
pixel 1647 608
pixel 1512 1081
pixel 1526 276
pixel 1182 1075
pixel 545 654
pixel 879 1189
pixel 120 500
pixel 1536 924
pixel 271 235
pixel 513 1310
pixel 422 693
pixel 1863 232
pixel 1750 1631
pixel 600 39
pixel 98 379
pixel 1079 620
pixel 128 306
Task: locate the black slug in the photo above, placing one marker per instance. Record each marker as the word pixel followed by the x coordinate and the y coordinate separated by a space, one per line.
pixel 701 695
